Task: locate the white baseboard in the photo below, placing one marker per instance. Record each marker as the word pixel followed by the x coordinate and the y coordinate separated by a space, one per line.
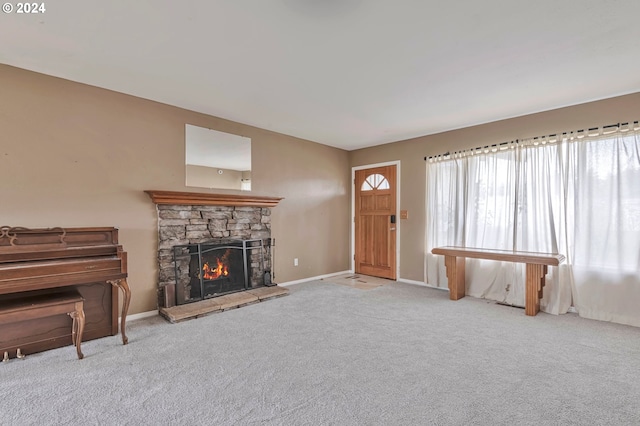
pixel 140 316
pixel 148 314
pixel 420 283
pixel 319 277
pixel 403 280
pixel 571 309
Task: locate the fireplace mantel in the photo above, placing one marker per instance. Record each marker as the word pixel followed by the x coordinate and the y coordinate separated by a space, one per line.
pixel 203 199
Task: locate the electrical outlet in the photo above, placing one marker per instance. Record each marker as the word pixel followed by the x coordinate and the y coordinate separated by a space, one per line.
pixel 295 261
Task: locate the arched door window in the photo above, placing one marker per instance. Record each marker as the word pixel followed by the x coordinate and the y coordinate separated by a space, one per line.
pixel 375 181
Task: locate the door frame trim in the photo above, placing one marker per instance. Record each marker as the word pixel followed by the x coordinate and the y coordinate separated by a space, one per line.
pixel 352 250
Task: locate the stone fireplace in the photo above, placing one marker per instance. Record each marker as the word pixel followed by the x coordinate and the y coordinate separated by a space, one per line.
pixel 211 244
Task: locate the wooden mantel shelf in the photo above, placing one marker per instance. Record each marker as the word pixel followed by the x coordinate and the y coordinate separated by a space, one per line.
pixel 201 199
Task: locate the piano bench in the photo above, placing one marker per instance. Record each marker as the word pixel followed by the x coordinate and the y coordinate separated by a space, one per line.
pixel 47 305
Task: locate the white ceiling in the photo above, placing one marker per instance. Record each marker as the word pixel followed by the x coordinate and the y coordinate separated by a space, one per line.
pixel 377 72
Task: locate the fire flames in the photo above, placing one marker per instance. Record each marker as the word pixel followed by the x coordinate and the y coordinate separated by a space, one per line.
pixel 213 273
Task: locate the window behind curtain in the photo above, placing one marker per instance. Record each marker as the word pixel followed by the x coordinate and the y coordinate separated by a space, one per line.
pixel 578 197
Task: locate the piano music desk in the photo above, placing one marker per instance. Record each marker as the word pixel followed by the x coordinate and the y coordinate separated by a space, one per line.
pixel 47 305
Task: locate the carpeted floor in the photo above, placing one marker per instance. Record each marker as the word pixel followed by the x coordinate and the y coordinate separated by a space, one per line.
pixel 333 355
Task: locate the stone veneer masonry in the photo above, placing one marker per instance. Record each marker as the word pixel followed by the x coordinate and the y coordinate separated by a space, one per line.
pixel 180 225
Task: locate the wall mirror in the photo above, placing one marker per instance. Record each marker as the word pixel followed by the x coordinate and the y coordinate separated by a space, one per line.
pixel 216 159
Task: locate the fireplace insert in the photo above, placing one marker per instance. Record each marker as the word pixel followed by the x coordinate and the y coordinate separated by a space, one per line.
pixel 218 267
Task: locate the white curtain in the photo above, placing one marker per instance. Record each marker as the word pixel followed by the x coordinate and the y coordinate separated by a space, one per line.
pixel 578 195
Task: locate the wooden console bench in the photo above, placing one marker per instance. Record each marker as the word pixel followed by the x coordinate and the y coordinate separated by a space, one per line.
pixel 43 306
pixel 454 260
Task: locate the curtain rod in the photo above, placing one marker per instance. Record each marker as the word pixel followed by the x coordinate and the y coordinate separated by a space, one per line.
pixel 495 145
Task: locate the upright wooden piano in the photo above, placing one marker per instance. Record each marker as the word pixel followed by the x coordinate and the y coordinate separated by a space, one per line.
pixel 44 261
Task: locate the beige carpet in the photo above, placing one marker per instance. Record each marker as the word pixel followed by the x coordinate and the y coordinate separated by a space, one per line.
pixel 329 354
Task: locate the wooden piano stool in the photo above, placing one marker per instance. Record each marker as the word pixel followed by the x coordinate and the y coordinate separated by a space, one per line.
pixel 47 305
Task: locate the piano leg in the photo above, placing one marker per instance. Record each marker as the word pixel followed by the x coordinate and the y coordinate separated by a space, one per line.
pixel 122 285
pixel 78 327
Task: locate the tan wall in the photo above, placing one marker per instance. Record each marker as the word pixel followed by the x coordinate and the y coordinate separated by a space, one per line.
pixel 76 155
pixel 411 153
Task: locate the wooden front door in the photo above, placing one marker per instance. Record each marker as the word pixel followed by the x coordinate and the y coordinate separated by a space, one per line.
pixel 375 222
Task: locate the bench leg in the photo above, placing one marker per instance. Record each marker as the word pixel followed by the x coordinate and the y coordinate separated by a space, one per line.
pixel 78 327
pixel 122 285
pixel 455 276
pixel 534 284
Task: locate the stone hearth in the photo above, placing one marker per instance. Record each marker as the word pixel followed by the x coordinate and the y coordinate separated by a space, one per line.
pixel 222 303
